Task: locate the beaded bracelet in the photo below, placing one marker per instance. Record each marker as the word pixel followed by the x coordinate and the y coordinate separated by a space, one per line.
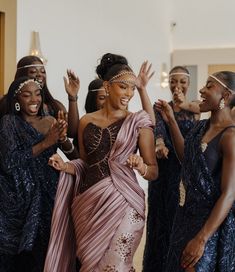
pixel 73 98
pixel 63 141
pixel 145 170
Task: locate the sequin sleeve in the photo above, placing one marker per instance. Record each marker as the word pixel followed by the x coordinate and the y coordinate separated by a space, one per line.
pixel 15 146
pixel 160 128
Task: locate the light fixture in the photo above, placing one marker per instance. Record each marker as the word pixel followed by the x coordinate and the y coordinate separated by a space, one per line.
pixel 164 79
pixel 35 49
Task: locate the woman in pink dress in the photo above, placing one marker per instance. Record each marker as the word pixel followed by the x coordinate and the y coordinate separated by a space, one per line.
pixel 107 203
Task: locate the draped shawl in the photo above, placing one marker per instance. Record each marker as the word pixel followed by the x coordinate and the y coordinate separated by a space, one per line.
pixel 97 212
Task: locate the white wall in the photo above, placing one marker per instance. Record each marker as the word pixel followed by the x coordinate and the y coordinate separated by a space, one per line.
pixel 76 33
pixel 203 24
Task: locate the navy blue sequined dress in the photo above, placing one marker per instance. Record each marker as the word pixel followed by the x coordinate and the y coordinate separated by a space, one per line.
pixel 27 190
pixel 201 177
pixel 163 195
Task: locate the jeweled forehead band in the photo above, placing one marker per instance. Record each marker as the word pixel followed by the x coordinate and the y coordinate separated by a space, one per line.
pixel 179 73
pixel 18 90
pixel 30 65
pixel 122 74
pixel 221 83
pixel 96 90
pixel 129 82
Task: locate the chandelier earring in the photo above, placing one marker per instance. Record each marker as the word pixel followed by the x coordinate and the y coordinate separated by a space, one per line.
pixel 222 104
pixel 17 106
pixel 107 93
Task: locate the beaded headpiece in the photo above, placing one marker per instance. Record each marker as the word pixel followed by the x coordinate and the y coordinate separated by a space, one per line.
pixel 96 90
pixel 221 83
pixel 115 79
pixel 18 90
pixel 179 73
pixel 30 65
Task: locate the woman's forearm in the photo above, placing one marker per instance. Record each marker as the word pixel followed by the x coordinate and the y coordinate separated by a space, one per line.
pixel 146 103
pixel 73 118
pixel 217 216
pixel 177 139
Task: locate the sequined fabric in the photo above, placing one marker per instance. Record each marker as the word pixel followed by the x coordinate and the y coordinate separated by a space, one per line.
pixel 201 176
pixel 27 191
pixel 163 195
pixel 98 143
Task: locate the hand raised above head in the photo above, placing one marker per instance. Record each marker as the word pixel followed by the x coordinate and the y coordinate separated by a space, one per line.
pixel 145 74
pixel 72 84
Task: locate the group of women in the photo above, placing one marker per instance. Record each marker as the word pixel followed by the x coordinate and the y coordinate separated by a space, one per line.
pixel 88 214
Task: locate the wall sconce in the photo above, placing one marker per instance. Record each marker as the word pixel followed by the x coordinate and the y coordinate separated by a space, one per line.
pixel 164 79
pixel 35 49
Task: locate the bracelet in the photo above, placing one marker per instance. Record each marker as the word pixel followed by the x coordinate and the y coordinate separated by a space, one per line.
pixel 73 98
pixel 63 141
pixel 159 141
pixel 68 151
pixel 145 170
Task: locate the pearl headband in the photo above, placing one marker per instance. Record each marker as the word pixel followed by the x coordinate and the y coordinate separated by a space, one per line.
pixel 221 83
pixel 18 90
pixel 179 73
pixel 96 90
pixel 30 65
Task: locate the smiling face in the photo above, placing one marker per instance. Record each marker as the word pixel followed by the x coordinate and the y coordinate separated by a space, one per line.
pixel 37 72
pixel 120 91
pixel 30 99
pixel 178 82
pixel 211 95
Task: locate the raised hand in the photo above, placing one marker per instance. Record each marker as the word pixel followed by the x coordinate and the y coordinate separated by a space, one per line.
pixel 53 134
pixel 179 97
pixel 144 75
pixel 72 84
pixel 63 125
pixel 165 109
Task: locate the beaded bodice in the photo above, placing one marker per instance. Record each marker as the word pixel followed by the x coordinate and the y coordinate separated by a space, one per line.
pixel 98 143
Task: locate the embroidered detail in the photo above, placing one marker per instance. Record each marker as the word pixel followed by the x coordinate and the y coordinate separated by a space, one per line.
pixel 124 245
pixel 110 268
pixel 182 194
pixel 204 146
pixel 134 217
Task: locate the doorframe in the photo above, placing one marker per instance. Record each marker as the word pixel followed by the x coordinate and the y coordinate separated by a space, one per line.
pixel 8 10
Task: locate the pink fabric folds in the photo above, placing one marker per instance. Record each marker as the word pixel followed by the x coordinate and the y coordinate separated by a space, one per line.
pixel 98 212
pixel 61 254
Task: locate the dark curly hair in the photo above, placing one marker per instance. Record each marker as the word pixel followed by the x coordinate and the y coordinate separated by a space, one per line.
pixel 228 78
pixel 111 65
pixel 183 68
pixel 90 103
